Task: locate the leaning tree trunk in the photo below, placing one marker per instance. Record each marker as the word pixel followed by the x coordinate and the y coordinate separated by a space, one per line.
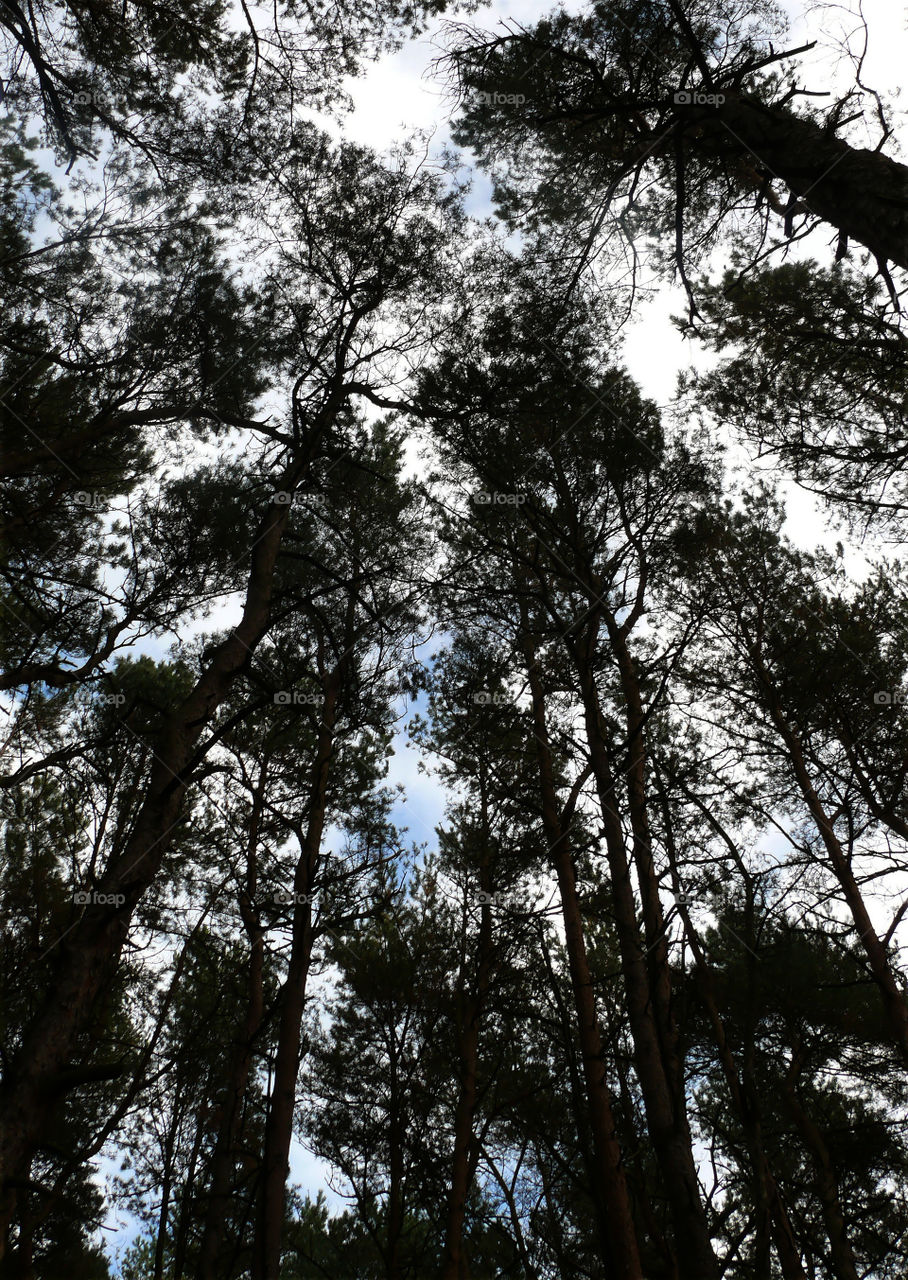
pixel 862 193
pixel 89 954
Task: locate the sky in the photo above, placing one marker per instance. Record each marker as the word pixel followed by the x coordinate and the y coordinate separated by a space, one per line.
pixel 403 93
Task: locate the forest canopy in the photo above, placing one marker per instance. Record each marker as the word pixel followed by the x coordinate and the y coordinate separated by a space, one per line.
pixel 453 811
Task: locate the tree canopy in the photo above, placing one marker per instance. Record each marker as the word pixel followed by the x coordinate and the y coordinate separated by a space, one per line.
pixel 323 492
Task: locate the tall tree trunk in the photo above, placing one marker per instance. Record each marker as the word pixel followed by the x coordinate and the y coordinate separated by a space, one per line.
pixel 648 996
pixel 827 1187
pixel 224 1158
pixel 464 1161
pixel 282 1104
pixel 621 1234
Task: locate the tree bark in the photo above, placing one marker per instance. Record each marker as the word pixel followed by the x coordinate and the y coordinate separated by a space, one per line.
pixel 621 1234
pixel 224 1158
pixel 648 996
pixel 279 1122
pixel 863 193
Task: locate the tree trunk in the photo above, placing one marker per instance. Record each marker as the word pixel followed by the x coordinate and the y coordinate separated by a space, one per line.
pixel 279 1122
pixel 224 1158
pixel 621 1235
pixel 655 1057
pixel 89 954
pixel 863 193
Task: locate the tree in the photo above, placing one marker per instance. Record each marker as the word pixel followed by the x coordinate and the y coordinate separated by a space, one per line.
pixel 811 1019
pixel 488 850
pixel 816 376
pixel 342 336
pixel 188 86
pixel 373 1118
pixel 669 118
pixel 570 563
pixel 371 549
pixel 767 614
pixel 637 1007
